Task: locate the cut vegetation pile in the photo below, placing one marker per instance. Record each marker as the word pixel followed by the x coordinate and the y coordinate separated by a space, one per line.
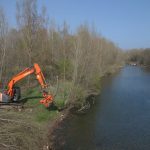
pixel 17 131
pixel 25 128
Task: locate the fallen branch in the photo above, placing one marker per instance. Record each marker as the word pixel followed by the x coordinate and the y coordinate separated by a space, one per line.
pixel 85 107
pixel 8 146
pixel 14 121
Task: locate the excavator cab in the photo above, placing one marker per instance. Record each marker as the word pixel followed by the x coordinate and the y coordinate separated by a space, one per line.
pixel 17 94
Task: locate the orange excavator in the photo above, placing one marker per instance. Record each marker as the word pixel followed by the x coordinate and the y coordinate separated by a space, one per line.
pixel 13 94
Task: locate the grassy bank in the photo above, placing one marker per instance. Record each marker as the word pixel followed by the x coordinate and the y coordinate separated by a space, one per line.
pixel 28 128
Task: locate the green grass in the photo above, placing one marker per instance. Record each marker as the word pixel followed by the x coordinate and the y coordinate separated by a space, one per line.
pixel 40 114
pixel 30 124
pixel 45 115
pixel 27 127
pixel 96 82
pixel 63 93
pixel 66 94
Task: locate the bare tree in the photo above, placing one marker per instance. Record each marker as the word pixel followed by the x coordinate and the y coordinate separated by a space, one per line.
pixel 27 19
pixel 28 23
pixel 3 41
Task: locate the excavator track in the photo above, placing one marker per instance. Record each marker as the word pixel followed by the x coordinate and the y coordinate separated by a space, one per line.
pixel 11 105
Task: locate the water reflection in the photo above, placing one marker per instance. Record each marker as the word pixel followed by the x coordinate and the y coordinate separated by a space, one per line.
pixel 120 119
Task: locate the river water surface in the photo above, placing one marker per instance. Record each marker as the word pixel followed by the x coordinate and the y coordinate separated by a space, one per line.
pixel 120 119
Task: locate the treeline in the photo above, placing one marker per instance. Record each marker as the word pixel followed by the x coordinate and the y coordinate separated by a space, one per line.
pixel 81 57
pixel 139 56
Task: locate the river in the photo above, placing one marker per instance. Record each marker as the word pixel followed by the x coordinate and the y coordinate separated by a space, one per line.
pixel 119 120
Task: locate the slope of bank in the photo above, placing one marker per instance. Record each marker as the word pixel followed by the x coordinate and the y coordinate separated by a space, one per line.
pixel 33 126
pixel 74 109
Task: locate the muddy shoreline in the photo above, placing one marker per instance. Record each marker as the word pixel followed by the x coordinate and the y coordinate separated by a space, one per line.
pixel 54 140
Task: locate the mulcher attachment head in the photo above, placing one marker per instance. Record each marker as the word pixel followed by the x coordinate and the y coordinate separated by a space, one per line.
pixel 47 100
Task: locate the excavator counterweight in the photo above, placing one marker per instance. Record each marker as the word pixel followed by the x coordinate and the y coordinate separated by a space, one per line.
pixel 4 98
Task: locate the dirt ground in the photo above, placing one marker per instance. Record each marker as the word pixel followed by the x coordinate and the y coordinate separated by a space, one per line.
pixel 17 131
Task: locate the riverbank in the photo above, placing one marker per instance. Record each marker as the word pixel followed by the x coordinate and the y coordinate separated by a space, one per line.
pixel 60 121
pixel 121 113
pixel 34 126
pixel 30 127
pixel 74 109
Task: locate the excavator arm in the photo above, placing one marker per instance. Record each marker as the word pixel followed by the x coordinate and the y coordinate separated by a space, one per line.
pixel 47 98
pixel 17 78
